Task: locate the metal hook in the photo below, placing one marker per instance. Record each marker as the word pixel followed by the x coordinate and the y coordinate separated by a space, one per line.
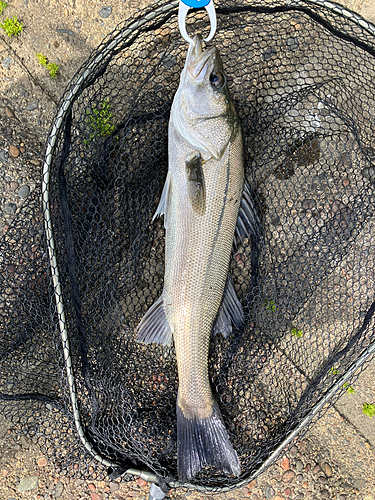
pixel 183 9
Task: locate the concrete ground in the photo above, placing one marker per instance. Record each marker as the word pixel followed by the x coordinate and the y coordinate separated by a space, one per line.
pixel 335 459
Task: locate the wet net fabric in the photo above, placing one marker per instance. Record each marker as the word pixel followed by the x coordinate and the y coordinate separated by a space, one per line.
pixel 301 75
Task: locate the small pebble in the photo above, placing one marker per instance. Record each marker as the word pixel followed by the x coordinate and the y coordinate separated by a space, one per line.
pixel 105 12
pixel 9 112
pixel 359 483
pixel 7 132
pixel 95 496
pixel 31 106
pixel 285 464
pixel 324 494
pixel 269 492
pixel 316 469
pixel 7 62
pixel 10 209
pixel 346 485
pixel 4 155
pixel 41 462
pixel 168 61
pixel 114 487
pixel 15 152
pixel 268 53
pixel 323 479
pixel 28 483
pixel 308 204
pixel 299 496
pixel 293 451
pixel 91 487
pixel 326 468
pixel 287 492
pixel 342 497
pixel 252 485
pixel 277 497
pixel 59 488
pixel 292 43
pixel 13 186
pixel 132 493
pixel 369 173
pixel 288 476
pixel 64 31
pixel 77 24
pixel 299 465
pixel 4 472
pixel 22 150
pixel 141 482
pixel 345 182
pixel 24 191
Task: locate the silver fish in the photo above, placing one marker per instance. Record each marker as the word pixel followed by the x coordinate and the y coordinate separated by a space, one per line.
pixel 200 201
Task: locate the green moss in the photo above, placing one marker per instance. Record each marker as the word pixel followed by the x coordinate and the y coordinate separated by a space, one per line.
pixel 99 120
pixel 270 305
pixel 349 389
pixel 12 27
pixel 2 6
pixel 296 333
pixel 52 67
pixel 368 409
pixel 332 371
pixel 42 59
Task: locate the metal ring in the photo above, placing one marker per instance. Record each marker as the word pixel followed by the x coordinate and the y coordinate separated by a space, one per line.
pixel 182 13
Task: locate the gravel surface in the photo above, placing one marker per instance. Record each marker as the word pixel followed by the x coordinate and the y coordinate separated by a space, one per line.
pixel 334 459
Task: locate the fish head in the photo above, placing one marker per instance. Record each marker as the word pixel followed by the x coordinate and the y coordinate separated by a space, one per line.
pixel 203 113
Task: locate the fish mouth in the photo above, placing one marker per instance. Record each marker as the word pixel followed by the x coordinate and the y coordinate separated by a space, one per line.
pixel 198 60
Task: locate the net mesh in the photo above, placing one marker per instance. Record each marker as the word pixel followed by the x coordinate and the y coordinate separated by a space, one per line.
pixel 301 75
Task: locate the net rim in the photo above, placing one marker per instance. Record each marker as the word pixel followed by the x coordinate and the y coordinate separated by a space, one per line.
pixel 100 53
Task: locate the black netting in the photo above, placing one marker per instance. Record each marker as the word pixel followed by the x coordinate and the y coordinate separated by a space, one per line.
pixel 301 75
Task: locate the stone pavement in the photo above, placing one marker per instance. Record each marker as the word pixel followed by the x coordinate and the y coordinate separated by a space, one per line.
pixel 335 458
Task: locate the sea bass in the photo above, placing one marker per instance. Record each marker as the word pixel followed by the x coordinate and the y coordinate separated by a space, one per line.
pixel 201 201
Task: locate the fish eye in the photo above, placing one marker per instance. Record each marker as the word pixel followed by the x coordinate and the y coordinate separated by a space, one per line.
pixel 217 80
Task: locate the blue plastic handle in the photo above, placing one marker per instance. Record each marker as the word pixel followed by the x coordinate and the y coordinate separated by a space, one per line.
pixel 195 4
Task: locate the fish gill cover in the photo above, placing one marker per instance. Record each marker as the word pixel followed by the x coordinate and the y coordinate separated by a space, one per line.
pixel 301 76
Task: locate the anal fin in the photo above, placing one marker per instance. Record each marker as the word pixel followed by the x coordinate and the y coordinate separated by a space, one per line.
pixel 248 221
pixel 154 327
pixel 230 310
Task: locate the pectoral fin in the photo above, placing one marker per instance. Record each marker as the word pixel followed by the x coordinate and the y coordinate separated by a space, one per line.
pixel 195 184
pixel 230 310
pixel 165 202
pixel 154 327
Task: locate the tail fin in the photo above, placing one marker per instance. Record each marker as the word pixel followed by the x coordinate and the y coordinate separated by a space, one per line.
pixel 204 441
